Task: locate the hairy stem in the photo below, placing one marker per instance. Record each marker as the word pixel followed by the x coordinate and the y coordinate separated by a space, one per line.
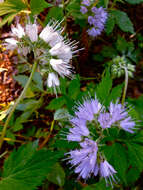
pixel 16 103
pixel 125 86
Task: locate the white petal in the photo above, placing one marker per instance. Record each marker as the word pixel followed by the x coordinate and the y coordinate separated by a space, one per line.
pixel 32 32
pixel 11 43
pixel 18 31
pixel 53 80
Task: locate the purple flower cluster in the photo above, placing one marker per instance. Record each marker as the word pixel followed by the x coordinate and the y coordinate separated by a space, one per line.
pixel 83 7
pixel 97 21
pixel 97 18
pixel 85 159
pixel 117 115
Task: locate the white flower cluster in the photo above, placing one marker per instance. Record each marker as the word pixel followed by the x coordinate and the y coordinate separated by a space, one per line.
pixel 57 54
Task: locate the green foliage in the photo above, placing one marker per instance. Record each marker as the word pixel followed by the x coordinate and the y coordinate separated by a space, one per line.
pixel 10 8
pixel 26 168
pixel 134 1
pixel 138 104
pixel 56 13
pixel 135 153
pixel 104 87
pixel 122 20
pixel 110 24
pixel 98 186
pixel 70 92
pixel 56 103
pixel 38 6
pixel 57 175
pixel 73 9
pixel 61 114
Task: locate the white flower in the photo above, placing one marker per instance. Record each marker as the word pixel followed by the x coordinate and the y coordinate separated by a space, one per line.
pixel 1 1
pixel 18 31
pixel 32 32
pixel 62 51
pixel 53 80
pixel 61 67
pixel 50 36
pixel 11 43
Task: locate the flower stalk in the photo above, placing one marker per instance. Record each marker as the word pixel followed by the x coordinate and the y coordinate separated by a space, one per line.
pixel 16 103
pixel 125 86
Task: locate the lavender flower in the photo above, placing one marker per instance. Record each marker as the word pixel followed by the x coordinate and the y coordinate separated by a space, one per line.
pixel 86 2
pixel 85 161
pixel 107 171
pixel 105 120
pixel 98 21
pixel 120 116
pixel 91 111
pixel 89 117
pixel 85 158
pixel 83 9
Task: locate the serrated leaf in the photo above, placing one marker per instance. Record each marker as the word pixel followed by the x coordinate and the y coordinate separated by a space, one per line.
pixel 135 153
pixel 101 185
pixel 132 175
pixel 38 6
pixel 74 88
pixel 118 160
pixel 61 114
pixel 134 1
pixel 110 24
pixel 123 21
pixel 26 168
pixel 57 175
pixel 56 13
pixel 11 8
pixel 104 87
pixel 56 103
pixel 115 94
pixel 22 79
pixel 37 78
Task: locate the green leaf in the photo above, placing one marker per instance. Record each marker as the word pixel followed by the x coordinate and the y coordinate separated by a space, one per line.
pixel 135 153
pixel 61 114
pixel 109 52
pixel 56 103
pixel 138 104
pixel 121 44
pixel 115 94
pixel 118 160
pixel 28 105
pixel 73 9
pixel 26 168
pixel 104 87
pixel 56 13
pixel 132 175
pixel 123 21
pixel 106 2
pixel 38 6
pixel 101 185
pixel 74 88
pixel 37 79
pixel 22 79
pixel 11 8
pixel 134 1
pixel 110 24
pixel 57 175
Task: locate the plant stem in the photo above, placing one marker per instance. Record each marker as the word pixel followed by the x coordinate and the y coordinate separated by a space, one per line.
pixel 48 137
pixel 16 103
pixel 126 85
